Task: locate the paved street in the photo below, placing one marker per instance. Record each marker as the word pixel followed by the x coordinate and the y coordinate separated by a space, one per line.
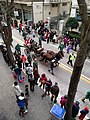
pixel 63 72
pixel 38 108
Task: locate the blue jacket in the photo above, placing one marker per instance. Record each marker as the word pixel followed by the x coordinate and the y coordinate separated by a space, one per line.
pixel 84 112
pixel 21 101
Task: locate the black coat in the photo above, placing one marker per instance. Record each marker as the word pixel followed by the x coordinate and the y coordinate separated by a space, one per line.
pixel 75 110
pixel 48 85
pixel 55 90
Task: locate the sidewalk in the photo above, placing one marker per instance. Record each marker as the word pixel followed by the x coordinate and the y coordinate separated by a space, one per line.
pixel 38 108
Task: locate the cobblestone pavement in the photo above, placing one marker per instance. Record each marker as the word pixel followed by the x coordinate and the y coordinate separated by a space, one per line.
pixel 38 108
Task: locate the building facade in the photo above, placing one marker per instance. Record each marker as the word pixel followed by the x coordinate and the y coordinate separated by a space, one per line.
pixel 23 10
pixel 37 11
pixel 50 8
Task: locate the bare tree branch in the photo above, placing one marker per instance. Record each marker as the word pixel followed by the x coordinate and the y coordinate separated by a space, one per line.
pixel 12 1
pixel 11 4
pixel 3 3
pixel 10 7
pixel 7 2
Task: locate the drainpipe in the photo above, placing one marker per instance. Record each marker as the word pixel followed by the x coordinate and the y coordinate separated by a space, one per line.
pixel 32 13
pixel 43 11
pixel 22 13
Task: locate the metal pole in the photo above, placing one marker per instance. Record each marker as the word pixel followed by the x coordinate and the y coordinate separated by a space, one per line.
pixel 43 11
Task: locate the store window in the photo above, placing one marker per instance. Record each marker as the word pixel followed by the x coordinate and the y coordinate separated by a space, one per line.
pixel 27 15
pixel 54 5
pixel 19 13
pixel 64 4
pixel 49 13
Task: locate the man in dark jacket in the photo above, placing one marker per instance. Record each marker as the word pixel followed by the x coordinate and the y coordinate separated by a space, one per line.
pixel 18 72
pixel 54 92
pixel 32 83
pixel 51 67
pixel 47 88
pixel 75 109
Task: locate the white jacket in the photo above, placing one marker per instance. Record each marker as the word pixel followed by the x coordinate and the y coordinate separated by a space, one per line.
pixel 17 90
pixel 29 70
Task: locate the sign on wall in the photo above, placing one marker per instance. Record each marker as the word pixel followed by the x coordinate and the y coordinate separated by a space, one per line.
pixel 16 13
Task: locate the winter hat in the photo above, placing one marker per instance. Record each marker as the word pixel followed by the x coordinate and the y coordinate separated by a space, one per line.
pixel 77 103
pixel 56 83
pixel 86 108
pixel 43 75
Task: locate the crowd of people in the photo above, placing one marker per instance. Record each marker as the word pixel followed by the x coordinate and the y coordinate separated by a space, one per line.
pixel 30 66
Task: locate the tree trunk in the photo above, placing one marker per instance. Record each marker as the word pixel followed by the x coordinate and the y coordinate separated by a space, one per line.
pixel 8 40
pixel 72 90
pixel 10 54
pixel 79 62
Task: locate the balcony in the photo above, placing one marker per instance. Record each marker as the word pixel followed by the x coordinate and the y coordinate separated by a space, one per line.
pixel 55 1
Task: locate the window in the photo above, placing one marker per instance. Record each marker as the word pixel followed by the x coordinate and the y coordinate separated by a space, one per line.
pixel 27 15
pixel 49 13
pixel 54 5
pixel 64 4
pixel 88 2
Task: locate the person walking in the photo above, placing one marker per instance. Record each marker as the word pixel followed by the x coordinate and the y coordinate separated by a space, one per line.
pixel 29 71
pixel 75 44
pixel 48 37
pixel 18 48
pixel 54 92
pixel 19 62
pixel 43 80
pixel 18 72
pixel 47 88
pixel 21 104
pixel 51 36
pixel 32 83
pixel 23 60
pixel 20 27
pixel 65 41
pixel 29 58
pixel 68 48
pixel 61 46
pixel 87 96
pixel 35 64
pixel 71 58
pixel 63 101
pixel 17 89
pixel 51 67
pixel 40 41
pixel 36 76
pixel 26 91
pixel 75 109
pixel 83 112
